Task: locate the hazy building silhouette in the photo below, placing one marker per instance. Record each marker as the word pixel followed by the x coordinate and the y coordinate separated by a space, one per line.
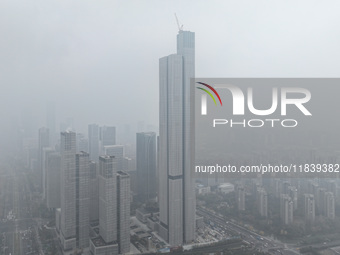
pixel 146 165
pixel 123 212
pixel 43 141
pixel 176 185
pixel 82 200
pixel 94 192
pixel 93 135
pixel 68 190
pixel 286 209
pixel 309 207
pixel 329 210
pixel 108 135
pixel 240 198
pixel 53 181
pixel 45 155
pixel 262 202
pixel 107 198
pixel 118 152
pixel 293 193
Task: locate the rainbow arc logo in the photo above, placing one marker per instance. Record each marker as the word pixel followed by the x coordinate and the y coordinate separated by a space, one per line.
pixel 209 93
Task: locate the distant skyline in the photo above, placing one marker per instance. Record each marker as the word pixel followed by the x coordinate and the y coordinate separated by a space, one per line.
pixel 98 61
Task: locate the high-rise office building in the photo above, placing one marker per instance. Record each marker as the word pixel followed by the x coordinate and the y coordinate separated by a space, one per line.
pixel 118 152
pixel 286 209
pixel 114 209
pixel 146 165
pixel 94 192
pixel 292 192
pixel 329 210
pixel 43 141
pixel 123 212
pixel 262 202
pixel 53 181
pixel 45 156
pixel 309 207
pixel 176 185
pixel 68 191
pixel 320 199
pixel 74 211
pixel 107 198
pixel 82 200
pixel 240 197
pixel 93 135
pixel 129 165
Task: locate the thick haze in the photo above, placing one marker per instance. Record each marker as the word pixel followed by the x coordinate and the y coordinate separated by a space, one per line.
pixel 98 60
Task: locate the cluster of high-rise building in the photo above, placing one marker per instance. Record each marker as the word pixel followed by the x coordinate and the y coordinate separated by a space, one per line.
pixel 324 196
pixel 91 198
pixel 86 179
pixel 314 196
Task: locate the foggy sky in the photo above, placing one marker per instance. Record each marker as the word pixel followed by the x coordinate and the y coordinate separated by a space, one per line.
pixel 98 60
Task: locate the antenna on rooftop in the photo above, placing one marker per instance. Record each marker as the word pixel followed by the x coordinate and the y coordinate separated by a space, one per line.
pixel 180 27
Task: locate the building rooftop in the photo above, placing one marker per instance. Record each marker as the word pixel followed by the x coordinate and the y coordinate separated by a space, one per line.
pixel 83 153
pixel 99 242
pixel 226 185
pixel 122 173
pixel 106 157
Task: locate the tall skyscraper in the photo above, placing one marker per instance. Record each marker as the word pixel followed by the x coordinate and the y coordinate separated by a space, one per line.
pixel 123 212
pixel 146 165
pixel 107 198
pixel 294 195
pixel 45 156
pixel 329 210
pixel 176 185
pixel 262 202
pixel 43 141
pixel 286 209
pixel 93 135
pixel 309 207
pixel 240 198
pixel 74 211
pixel 82 200
pixel 53 181
pixel 114 209
pixel 68 190
pixel 94 192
